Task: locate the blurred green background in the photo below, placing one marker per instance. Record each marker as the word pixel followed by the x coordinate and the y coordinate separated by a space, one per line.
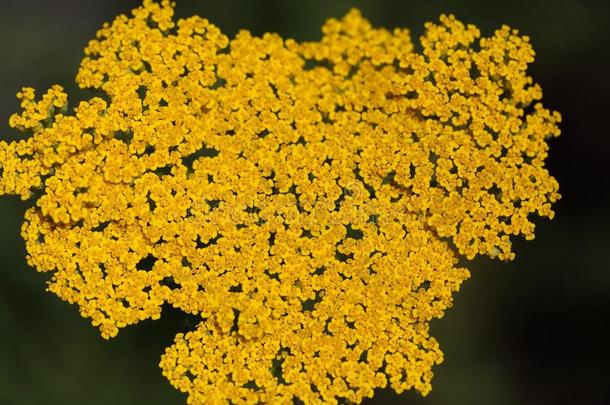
pixel 533 331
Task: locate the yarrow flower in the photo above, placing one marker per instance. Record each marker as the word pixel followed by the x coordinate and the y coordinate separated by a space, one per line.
pixel 308 202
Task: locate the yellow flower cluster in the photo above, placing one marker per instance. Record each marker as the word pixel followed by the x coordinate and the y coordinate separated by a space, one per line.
pixel 308 201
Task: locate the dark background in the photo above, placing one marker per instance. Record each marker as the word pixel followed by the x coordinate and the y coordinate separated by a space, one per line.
pixel 533 331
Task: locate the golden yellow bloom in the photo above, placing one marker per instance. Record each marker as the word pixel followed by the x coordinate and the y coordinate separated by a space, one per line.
pixel 308 201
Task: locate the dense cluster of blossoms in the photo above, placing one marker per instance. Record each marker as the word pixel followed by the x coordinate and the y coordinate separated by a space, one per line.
pixel 308 201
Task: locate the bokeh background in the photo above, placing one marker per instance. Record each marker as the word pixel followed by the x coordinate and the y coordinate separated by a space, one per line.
pixel 533 331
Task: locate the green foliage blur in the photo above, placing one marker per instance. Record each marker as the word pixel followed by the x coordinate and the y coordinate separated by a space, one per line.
pixel 532 331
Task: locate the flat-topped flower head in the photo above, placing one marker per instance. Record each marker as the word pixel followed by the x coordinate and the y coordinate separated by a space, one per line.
pixel 308 201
